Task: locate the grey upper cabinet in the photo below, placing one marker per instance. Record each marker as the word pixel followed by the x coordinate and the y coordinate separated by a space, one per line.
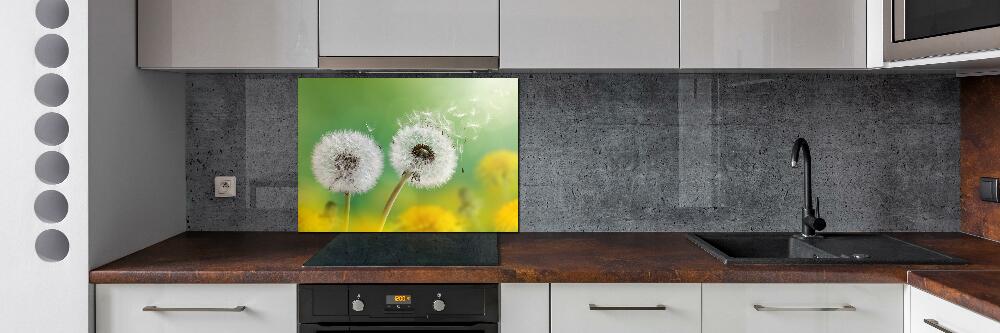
pixel 774 34
pixel 589 34
pixel 408 28
pixel 193 34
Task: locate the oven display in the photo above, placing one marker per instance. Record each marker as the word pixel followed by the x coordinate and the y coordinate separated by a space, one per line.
pixel 398 299
pixel 399 303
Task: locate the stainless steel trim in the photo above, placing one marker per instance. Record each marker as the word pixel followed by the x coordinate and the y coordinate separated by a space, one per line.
pixel 935 324
pixel 658 307
pixel 154 308
pixel 848 307
pixel 958 43
pixel 898 20
pixel 410 63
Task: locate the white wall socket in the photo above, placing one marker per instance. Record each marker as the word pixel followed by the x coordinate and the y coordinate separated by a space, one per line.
pixel 225 187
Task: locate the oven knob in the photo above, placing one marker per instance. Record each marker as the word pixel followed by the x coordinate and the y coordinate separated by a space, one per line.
pixel 358 305
pixel 438 305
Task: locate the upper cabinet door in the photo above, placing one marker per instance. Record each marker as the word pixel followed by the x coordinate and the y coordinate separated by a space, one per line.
pixel 408 28
pixel 227 33
pixel 773 34
pixel 582 34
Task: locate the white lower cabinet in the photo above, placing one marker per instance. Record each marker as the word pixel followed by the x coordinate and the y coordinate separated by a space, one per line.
pixel 930 314
pixel 816 308
pixel 524 307
pixel 569 307
pixel 196 308
pixel 625 307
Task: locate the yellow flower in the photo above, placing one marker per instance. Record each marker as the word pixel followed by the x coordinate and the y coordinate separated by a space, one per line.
pixel 313 220
pixel 365 223
pixel 498 169
pixel 426 218
pixel 506 217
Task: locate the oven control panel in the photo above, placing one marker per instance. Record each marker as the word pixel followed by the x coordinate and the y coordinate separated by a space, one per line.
pixel 398 303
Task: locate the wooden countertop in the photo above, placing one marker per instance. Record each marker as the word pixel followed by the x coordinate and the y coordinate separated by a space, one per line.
pixel 978 291
pixel 277 257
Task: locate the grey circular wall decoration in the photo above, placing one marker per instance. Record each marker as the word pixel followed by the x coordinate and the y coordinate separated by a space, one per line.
pixel 51 129
pixel 51 90
pixel 51 50
pixel 52 13
pixel 52 245
pixel 52 167
pixel 51 206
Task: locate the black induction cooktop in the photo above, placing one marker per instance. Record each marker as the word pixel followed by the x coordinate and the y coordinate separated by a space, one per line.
pixel 408 249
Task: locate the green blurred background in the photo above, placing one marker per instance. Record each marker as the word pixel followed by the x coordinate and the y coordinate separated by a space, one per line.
pixel 480 197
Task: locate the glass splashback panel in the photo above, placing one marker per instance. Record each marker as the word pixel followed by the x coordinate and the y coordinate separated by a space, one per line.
pixel 408 155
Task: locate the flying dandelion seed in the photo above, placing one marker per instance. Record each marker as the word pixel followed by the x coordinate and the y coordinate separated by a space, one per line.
pixel 347 162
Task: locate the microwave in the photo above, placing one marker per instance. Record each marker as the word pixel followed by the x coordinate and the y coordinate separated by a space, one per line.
pixel 915 29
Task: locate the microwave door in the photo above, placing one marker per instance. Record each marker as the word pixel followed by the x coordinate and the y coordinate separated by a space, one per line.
pixel 916 29
pixel 916 19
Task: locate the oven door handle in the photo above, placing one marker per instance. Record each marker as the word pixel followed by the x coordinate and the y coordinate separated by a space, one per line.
pixel 482 327
pixel 314 328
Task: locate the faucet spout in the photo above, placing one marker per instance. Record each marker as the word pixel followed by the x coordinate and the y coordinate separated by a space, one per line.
pixel 810 222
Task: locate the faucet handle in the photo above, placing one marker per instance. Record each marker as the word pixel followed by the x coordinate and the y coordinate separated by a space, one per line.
pixel 817 206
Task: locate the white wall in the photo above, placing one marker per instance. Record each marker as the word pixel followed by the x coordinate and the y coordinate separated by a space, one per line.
pixel 137 188
pixel 38 295
pixel 126 135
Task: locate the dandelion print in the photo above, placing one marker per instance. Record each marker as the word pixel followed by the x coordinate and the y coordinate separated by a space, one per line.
pixel 347 162
pixel 427 218
pixel 424 156
pixel 505 218
pixel 448 148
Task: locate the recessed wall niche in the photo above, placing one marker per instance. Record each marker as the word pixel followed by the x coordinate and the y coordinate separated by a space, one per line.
pixel 52 13
pixel 51 206
pixel 51 90
pixel 52 167
pixel 51 50
pixel 52 245
pixel 51 129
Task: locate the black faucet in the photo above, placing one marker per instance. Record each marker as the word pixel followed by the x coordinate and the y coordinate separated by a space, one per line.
pixel 810 221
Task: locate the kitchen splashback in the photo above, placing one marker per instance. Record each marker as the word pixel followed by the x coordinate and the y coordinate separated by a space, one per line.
pixel 639 152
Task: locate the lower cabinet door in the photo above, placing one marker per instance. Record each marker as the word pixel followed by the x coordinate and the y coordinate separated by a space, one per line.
pixel 802 308
pixel 195 308
pixel 930 314
pixel 622 307
pixel 524 308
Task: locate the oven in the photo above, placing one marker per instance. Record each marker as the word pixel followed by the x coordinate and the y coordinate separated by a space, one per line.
pixel 916 29
pixel 387 308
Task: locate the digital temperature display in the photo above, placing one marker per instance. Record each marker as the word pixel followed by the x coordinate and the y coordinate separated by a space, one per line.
pixel 398 299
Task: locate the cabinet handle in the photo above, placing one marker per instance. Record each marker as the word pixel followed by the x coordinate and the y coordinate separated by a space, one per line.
pixel 154 308
pixel 935 324
pixel 848 307
pixel 658 307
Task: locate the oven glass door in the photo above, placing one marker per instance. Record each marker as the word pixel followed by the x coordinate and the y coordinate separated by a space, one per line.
pixel 916 19
pixel 475 328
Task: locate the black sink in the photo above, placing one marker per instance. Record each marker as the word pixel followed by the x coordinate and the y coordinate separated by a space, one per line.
pixel 786 248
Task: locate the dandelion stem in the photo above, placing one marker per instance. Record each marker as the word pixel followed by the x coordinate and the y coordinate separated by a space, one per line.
pixel 392 198
pixel 347 211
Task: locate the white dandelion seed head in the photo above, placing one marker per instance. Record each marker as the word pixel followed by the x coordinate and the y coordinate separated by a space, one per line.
pixel 347 161
pixel 425 151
